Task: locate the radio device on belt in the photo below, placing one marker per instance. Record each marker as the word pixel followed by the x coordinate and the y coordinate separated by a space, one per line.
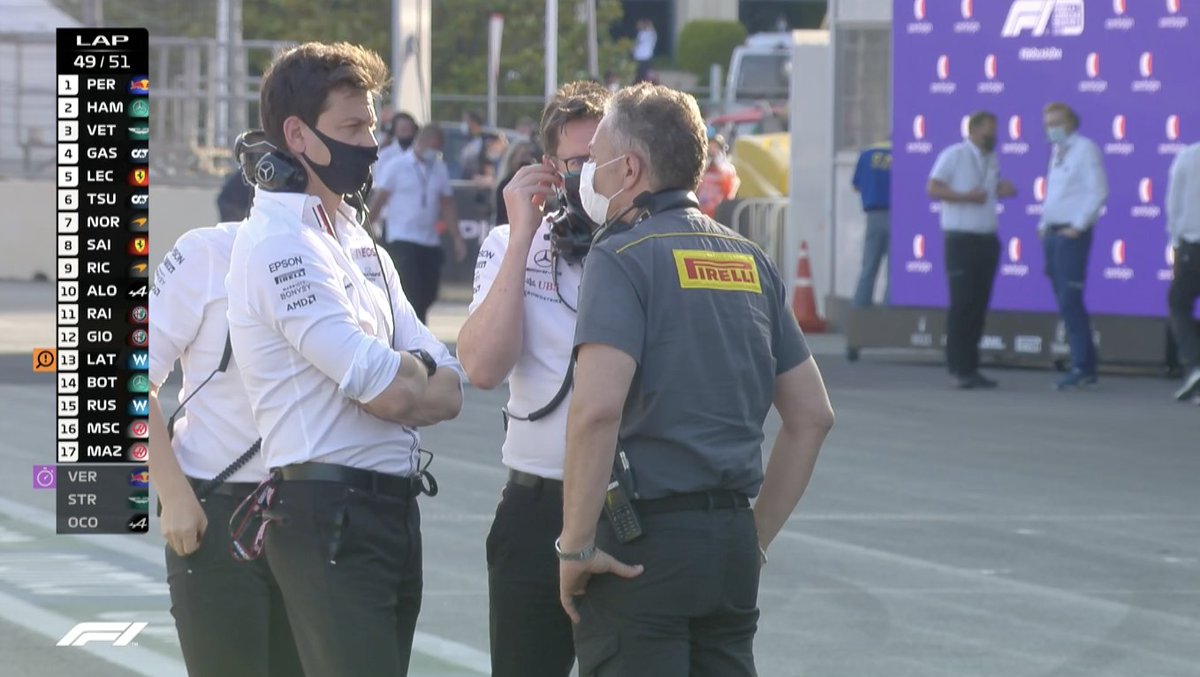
pixel 618 501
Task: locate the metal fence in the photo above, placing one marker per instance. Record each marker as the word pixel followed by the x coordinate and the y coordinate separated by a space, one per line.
pixel 763 221
pixel 203 93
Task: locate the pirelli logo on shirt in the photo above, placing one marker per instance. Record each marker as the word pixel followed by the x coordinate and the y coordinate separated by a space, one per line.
pixel 723 271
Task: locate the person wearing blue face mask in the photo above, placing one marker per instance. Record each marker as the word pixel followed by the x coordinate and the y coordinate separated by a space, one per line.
pixel 1076 188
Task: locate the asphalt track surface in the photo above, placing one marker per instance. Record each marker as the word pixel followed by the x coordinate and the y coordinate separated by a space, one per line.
pixel 1013 533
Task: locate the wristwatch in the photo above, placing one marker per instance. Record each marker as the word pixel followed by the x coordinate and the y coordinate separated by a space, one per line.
pixel 580 556
pixel 426 359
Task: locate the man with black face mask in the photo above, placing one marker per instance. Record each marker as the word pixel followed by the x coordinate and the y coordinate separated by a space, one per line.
pixel 521 329
pixel 402 131
pixel 338 371
pixel 966 178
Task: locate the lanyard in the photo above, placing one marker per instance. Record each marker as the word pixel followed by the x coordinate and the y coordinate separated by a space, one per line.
pixel 323 219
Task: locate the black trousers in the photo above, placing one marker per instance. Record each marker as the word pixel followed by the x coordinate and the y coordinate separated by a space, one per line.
pixel 229 615
pixel 1181 300
pixel 971 262
pixel 692 612
pixel 420 270
pixel 530 632
pixel 349 565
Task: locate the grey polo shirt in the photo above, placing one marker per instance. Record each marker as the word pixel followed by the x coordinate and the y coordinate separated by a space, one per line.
pixel 704 314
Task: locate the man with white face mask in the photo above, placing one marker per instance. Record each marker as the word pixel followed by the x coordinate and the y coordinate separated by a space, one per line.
pixel 1076 188
pixel 683 343
pixel 521 329
pixel 412 194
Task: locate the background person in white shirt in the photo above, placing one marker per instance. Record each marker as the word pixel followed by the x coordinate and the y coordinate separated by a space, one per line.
pixel 966 178
pixel 1183 225
pixel 643 48
pixel 338 370
pixel 412 194
pixel 1076 188
pixel 521 329
pixel 229 615
pixel 398 138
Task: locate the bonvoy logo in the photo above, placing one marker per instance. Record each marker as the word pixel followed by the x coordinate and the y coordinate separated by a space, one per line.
pixel 1118 271
pixel 1119 22
pixel 919 146
pixel 1173 131
pixel 1014 267
pixel 919 26
pixel 1038 17
pixel 968 23
pixel 112 633
pixel 1173 20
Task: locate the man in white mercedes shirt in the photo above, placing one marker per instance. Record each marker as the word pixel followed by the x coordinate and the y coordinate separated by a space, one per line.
pixel 338 370
pixel 521 328
pixel 229 615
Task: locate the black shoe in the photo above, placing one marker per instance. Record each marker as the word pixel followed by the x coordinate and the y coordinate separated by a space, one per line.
pixel 1191 385
pixel 974 381
pixel 982 381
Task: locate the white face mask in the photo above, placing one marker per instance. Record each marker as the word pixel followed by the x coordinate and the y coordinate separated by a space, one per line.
pixel 595 204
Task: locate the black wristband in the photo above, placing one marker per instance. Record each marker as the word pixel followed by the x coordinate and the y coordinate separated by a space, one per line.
pixel 426 359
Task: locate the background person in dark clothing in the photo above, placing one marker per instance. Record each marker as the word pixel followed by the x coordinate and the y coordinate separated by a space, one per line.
pixel 966 178
pixel 519 154
pixel 233 202
pixel 683 343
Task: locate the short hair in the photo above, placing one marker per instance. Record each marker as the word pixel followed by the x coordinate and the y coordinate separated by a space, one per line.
pixel 581 100
pixel 405 115
pixel 978 119
pixel 665 128
pixel 1058 107
pixel 429 133
pixel 299 81
pixel 474 117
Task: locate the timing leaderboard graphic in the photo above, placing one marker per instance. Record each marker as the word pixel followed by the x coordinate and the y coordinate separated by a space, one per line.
pixel 103 217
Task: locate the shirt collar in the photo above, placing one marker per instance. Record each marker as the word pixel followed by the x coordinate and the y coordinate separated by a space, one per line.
pixel 307 208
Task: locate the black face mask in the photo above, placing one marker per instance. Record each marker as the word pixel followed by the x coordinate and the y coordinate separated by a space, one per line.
pixel 349 166
pixel 405 141
pixel 989 143
pixel 571 193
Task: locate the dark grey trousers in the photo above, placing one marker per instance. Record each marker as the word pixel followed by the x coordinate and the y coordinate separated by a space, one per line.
pixel 692 613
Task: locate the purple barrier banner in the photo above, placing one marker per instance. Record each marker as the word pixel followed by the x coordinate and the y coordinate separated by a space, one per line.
pixel 1130 68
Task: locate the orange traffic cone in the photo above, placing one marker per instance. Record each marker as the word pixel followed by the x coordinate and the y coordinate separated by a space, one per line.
pixel 804 301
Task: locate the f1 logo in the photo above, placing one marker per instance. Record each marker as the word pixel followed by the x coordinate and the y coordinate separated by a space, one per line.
pixel 114 633
pixel 1036 17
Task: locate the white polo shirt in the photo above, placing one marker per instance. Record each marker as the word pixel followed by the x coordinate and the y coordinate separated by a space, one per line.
pixel 963 167
pixel 1076 186
pixel 416 190
pixel 1183 197
pixel 313 331
pixel 187 323
pixel 536 447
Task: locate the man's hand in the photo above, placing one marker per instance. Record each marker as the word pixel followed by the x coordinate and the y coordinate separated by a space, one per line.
pixel 573 577
pixel 525 196
pixel 978 196
pixel 183 524
pixel 1005 189
pixel 1070 233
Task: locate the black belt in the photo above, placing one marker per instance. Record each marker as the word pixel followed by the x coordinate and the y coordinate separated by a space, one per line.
pixel 232 489
pixel 531 481
pixel 364 480
pixel 700 500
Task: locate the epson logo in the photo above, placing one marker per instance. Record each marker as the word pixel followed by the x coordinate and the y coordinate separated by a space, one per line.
pixel 1063 18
